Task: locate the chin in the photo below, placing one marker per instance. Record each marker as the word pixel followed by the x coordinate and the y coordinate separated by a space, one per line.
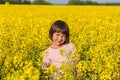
pixel 60 44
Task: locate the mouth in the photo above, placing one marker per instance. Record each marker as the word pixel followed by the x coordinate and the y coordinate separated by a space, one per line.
pixel 58 42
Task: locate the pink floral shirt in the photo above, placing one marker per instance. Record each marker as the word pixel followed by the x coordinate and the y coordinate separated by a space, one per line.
pixel 57 56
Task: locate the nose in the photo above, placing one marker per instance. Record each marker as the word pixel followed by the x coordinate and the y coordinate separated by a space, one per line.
pixel 59 38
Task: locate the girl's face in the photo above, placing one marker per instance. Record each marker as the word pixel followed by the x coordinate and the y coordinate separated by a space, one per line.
pixel 58 38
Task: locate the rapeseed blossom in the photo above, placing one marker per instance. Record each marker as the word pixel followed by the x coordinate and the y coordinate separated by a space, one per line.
pixel 94 30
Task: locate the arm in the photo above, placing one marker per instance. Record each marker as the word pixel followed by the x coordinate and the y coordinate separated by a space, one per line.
pixel 70 50
pixel 46 60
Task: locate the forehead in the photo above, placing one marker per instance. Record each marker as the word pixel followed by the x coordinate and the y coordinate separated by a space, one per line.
pixel 59 33
pixel 59 29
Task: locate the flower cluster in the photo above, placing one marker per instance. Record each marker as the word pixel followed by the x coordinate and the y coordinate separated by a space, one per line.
pixel 95 32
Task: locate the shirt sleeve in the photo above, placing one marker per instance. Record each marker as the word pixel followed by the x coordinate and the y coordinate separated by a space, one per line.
pixel 71 48
pixel 46 60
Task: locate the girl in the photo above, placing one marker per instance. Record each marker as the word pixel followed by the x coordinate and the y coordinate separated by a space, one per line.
pixel 60 50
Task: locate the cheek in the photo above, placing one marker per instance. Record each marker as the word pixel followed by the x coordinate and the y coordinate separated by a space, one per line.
pixel 64 39
pixel 54 38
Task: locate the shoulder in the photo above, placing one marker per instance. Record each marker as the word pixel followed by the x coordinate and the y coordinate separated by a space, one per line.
pixel 70 47
pixel 46 51
pixel 69 44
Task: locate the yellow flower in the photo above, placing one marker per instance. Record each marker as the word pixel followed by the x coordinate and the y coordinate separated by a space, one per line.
pixel 62 51
pixel 47 54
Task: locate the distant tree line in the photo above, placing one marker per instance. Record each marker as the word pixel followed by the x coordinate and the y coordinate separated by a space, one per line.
pixel 81 2
pixel 70 2
pixel 90 2
pixel 16 1
pixel 24 2
pixel 43 2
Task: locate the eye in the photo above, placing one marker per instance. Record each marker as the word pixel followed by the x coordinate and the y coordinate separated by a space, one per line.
pixel 57 34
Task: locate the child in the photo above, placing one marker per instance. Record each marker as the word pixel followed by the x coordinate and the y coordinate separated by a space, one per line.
pixel 60 50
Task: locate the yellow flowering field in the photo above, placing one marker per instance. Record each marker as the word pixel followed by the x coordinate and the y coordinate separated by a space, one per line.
pixel 94 30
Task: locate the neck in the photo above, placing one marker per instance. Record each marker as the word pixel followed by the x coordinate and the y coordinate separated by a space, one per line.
pixel 56 46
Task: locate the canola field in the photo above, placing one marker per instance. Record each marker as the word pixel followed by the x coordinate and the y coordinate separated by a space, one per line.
pixel 94 30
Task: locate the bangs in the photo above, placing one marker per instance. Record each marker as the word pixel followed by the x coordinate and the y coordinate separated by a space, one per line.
pixel 59 29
